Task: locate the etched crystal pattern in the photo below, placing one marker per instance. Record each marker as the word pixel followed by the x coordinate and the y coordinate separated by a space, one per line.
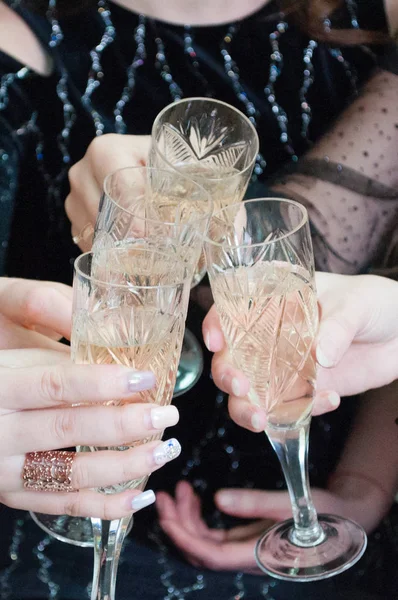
pixel 268 313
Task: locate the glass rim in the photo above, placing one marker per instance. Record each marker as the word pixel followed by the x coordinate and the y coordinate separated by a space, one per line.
pixel 303 222
pixel 160 169
pixel 220 102
pixel 126 286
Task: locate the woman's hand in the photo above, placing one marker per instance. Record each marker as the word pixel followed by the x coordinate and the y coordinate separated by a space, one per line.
pixel 38 391
pixel 356 346
pixel 39 385
pixel 104 155
pixel 233 549
pixel 34 314
pixel 358 333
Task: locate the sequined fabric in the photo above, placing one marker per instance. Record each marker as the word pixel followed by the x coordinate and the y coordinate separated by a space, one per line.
pixel 114 71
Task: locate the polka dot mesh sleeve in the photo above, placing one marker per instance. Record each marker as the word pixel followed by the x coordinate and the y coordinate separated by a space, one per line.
pixel 349 183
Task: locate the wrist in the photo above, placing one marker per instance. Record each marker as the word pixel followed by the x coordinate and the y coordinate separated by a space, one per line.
pixel 359 485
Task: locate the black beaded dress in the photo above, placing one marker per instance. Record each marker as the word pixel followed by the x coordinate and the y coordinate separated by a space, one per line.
pixel 113 72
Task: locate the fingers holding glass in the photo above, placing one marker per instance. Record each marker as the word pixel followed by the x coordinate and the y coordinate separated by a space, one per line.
pixel 104 155
pixel 261 271
pixel 130 304
pixel 59 471
pixel 101 426
pixel 64 384
pixel 42 306
pixel 47 418
pixel 84 503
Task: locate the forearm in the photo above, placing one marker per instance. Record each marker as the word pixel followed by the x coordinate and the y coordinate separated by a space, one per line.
pixel 349 180
pixel 368 468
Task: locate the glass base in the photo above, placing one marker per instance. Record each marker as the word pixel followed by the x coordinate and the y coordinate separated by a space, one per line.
pixel 190 367
pixel 76 531
pixel 342 546
pixel 70 530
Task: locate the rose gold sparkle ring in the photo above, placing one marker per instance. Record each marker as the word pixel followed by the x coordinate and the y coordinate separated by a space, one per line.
pixel 49 471
pixel 85 235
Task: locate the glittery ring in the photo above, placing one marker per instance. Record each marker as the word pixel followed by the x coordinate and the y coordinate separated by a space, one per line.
pixel 84 235
pixel 48 471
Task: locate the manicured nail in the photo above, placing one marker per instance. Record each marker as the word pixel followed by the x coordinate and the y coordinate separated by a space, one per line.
pixel 322 359
pixel 333 399
pixel 206 337
pixel 256 422
pixel 167 451
pixel 143 500
pixel 235 385
pixel 138 381
pixel 162 417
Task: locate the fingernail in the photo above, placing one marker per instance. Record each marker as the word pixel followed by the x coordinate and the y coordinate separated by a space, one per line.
pixel 138 381
pixel 225 499
pixel 162 417
pixel 333 399
pixel 143 500
pixel 256 422
pixel 167 451
pixel 235 385
pixel 206 337
pixel 322 359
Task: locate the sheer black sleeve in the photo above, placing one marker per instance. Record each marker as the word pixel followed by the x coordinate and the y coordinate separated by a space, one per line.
pixel 349 182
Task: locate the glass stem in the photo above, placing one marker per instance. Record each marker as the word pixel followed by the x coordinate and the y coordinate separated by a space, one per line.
pixel 108 541
pixel 291 447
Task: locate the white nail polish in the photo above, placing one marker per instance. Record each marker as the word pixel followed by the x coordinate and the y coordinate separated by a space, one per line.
pixel 334 399
pixel 256 424
pixel 207 339
pixel 164 416
pixel 167 451
pixel 143 500
pixel 322 359
pixel 235 385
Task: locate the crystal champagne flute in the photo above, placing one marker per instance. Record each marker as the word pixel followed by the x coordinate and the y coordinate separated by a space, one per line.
pixel 209 141
pixel 216 145
pixel 149 207
pixel 157 206
pixel 261 270
pixel 129 308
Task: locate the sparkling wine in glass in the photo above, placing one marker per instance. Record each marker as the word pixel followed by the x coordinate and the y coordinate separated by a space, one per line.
pixel 157 209
pixel 261 270
pixel 209 141
pixel 216 145
pixel 129 308
pixel 155 206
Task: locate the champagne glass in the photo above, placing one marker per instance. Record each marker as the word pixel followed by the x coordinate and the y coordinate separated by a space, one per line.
pixel 129 308
pixel 216 145
pixel 261 270
pixel 143 206
pixel 209 141
pixel 157 206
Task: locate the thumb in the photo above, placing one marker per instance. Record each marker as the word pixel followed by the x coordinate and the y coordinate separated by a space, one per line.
pixel 335 336
pixel 342 315
pixel 212 334
pixel 254 504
